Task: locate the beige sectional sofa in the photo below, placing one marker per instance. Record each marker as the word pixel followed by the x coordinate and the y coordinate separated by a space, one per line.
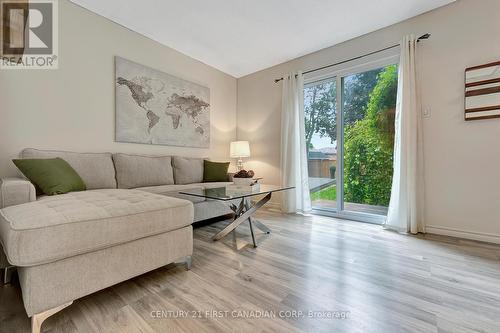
pixel 166 175
pixel 130 220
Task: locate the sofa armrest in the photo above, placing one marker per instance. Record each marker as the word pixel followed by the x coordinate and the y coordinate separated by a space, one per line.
pixel 16 191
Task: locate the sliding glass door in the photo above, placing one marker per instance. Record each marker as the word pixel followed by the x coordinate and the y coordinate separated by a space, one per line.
pixel 350 152
pixel 320 109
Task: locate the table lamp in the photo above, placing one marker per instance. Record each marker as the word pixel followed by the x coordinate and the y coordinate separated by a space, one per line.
pixel 239 149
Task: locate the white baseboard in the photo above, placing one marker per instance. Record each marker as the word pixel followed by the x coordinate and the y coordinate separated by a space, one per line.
pixel 479 236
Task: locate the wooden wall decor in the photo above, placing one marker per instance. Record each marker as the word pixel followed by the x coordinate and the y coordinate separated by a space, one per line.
pixel 12 29
pixel 482 91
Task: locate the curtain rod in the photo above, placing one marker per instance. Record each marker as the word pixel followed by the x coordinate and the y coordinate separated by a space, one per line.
pixel 425 36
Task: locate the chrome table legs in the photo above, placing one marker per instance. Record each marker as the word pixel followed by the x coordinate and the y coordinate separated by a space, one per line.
pixel 244 212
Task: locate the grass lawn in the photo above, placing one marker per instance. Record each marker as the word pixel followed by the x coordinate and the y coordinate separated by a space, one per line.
pixel 329 193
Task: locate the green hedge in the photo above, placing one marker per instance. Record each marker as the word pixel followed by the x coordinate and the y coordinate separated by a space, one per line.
pixel 369 146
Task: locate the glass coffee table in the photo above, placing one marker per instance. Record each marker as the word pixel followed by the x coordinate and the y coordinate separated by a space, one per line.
pixel 240 203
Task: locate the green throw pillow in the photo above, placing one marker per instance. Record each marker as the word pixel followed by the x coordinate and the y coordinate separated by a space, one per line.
pixel 51 176
pixel 215 171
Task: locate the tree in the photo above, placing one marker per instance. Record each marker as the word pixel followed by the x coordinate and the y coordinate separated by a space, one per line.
pixel 320 104
pixel 320 111
pixel 369 145
pixel 357 89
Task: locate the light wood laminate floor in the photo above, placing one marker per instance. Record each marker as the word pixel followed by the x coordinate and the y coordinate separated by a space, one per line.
pixel 382 281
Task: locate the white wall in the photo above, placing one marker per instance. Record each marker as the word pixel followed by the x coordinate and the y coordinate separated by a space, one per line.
pixel 72 108
pixel 462 159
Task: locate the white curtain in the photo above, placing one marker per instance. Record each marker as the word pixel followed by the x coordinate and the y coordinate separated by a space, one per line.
pixel 406 206
pixel 293 146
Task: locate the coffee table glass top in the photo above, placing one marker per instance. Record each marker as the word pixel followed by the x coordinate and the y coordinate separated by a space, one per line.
pixel 233 192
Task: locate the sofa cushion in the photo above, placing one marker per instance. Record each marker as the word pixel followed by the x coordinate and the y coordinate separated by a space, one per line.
pixel 187 170
pixel 215 171
pixel 173 191
pixel 66 225
pixel 143 170
pixel 96 169
pixel 51 175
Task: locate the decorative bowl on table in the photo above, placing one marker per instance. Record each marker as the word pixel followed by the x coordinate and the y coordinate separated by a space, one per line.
pixel 244 177
pixel 243 181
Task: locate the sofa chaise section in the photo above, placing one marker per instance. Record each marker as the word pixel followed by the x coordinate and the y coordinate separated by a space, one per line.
pixel 71 245
pixel 57 227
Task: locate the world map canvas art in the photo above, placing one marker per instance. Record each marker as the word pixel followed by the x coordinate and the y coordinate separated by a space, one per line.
pixel 157 108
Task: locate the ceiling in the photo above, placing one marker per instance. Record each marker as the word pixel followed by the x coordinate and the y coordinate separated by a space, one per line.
pixel 240 37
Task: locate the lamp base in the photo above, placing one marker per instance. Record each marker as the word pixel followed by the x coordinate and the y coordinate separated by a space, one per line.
pixel 239 165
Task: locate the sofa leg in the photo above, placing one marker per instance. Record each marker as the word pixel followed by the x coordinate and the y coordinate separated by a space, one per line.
pixel 188 262
pixel 7 274
pixel 38 319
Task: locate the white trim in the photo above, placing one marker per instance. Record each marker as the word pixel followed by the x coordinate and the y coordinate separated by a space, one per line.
pixel 316 82
pixel 352 216
pixel 354 67
pixel 339 181
pixel 465 234
pixel 338 73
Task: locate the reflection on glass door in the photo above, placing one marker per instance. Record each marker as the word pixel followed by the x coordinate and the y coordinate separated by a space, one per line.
pixel 320 101
pixel 350 152
pixel 368 106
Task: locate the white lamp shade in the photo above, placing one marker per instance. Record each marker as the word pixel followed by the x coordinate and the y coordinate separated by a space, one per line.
pixel 239 149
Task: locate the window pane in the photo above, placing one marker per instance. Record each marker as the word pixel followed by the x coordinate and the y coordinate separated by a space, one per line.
pixel 321 137
pixel 369 102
